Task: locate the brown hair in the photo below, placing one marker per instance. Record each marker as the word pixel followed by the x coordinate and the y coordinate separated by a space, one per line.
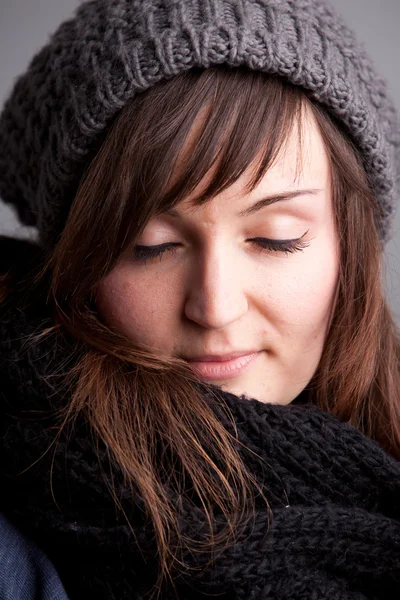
pixel 121 387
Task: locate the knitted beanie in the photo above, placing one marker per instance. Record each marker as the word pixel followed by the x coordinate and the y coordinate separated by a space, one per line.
pixel 59 109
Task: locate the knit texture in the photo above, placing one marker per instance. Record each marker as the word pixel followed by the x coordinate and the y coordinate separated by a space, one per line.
pixel 334 495
pixel 58 111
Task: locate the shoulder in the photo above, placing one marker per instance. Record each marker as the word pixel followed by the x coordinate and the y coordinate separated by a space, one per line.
pixel 25 572
pixel 23 314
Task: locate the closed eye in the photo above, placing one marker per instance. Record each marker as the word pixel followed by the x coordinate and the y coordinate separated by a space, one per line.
pixel 144 253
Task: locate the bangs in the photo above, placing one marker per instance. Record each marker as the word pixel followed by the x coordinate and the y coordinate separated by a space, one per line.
pixel 205 123
pixel 202 125
pixel 243 120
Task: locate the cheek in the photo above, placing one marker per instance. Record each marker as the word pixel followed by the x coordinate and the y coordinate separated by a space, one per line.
pixel 133 307
pixel 301 293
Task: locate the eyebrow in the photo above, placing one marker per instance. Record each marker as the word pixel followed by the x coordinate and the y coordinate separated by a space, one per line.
pixel 263 202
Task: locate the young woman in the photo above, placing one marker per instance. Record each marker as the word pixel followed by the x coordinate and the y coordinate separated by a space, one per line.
pixel 200 372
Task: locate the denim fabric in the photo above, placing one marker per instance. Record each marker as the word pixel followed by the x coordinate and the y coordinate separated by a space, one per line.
pixel 25 572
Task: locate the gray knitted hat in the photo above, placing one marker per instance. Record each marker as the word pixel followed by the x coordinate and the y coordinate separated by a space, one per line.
pixel 60 108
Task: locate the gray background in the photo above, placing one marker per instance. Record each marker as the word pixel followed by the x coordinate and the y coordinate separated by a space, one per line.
pixel 25 25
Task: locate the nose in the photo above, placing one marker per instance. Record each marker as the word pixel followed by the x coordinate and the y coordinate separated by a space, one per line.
pixel 216 294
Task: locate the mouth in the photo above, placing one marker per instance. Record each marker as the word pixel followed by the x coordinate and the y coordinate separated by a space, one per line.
pixel 211 368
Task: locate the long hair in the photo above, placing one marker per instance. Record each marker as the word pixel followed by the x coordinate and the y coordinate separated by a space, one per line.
pixel 121 387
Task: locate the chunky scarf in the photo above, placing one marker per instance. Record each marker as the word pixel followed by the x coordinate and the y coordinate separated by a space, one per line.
pixel 334 496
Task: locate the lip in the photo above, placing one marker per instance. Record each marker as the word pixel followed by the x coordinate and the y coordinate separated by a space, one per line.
pixel 222 357
pixel 223 369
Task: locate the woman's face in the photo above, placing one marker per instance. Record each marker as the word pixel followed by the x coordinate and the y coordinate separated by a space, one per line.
pixel 218 292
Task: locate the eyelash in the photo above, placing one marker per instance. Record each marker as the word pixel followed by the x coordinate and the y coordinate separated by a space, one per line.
pixel 143 253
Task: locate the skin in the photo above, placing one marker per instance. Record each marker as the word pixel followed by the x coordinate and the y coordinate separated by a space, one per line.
pixel 218 292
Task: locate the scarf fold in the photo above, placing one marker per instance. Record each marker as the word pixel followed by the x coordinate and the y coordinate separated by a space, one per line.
pixel 333 532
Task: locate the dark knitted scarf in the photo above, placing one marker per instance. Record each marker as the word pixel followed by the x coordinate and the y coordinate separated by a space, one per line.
pixel 334 495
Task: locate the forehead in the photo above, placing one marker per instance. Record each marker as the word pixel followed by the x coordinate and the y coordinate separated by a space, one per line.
pixel 305 158
pixel 299 164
